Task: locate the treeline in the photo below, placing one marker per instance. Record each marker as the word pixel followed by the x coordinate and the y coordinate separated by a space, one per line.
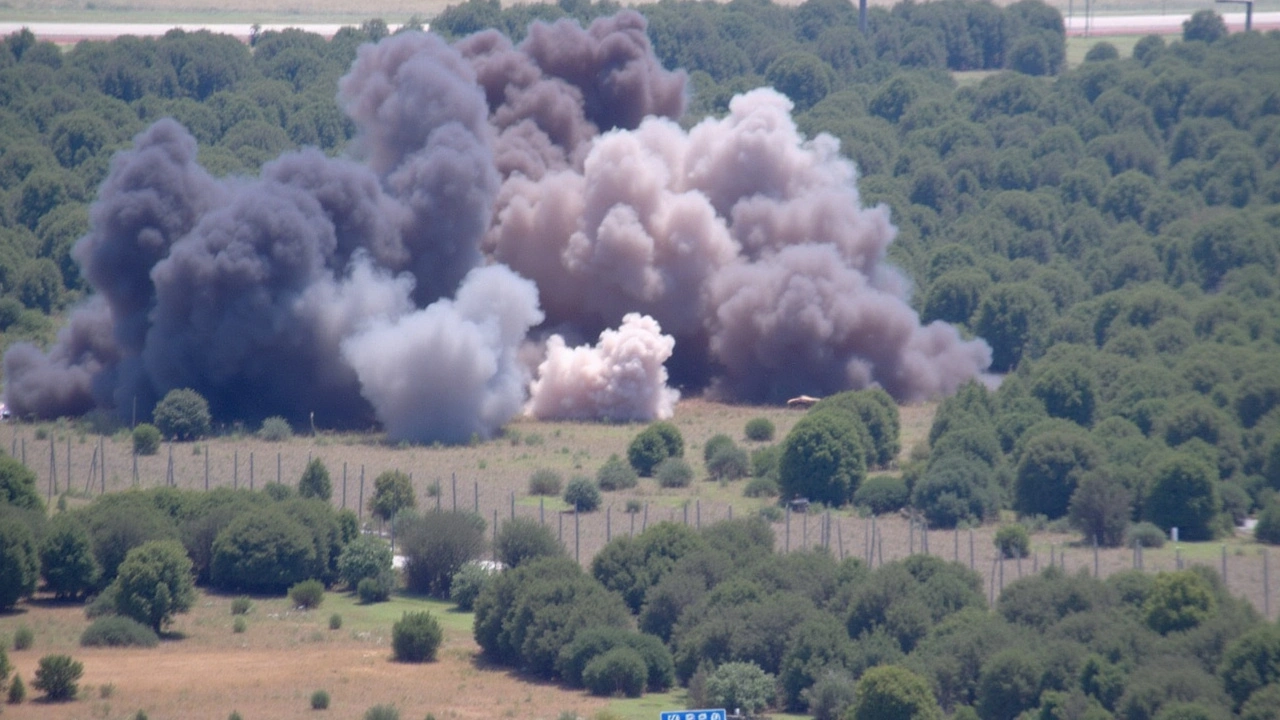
pixel 742 626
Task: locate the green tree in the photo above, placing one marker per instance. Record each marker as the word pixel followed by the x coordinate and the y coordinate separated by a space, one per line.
pixel 1008 685
pixel 822 459
pixel 154 583
pixel 1050 468
pixel 1100 508
pixel 58 677
pixel 582 494
pixel 262 550
pixel 392 492
pixel 1204 25
pixel 742 686
pixel 315 482
pixel 801 76
pixel 1068 390
pixel 1251 662
pixel 146 439
pixel 630 566
pixel 892 692
pixel 18 485
pixel 436 545
pixel 1012 318
pixel 19 562
pixel 364 557
pixel 183 415
pixel 1178 601
pixel 619 671
pixel 523 539
pixel 1184 494
pixel 66 558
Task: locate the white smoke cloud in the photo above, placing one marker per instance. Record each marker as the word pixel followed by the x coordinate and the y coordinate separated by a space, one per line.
pixel 622 378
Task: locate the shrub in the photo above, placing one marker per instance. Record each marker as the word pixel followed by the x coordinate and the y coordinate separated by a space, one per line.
pixel 620 671
pixel 241 605
pixel 335 622
pixel 545 481
pixel 1268 528
pixel 741 685
pixel 654 444
pixel 183 414
pixel 17 691
pixel 376 589
pixel 582 494
pixel 308 594
pixel 146 439
pixel 154 583
pixel 760 429
pixel 772 513
pixel 365 557
pixel 674 472
pixel 1013 541
pixel 23 637
pixel 275 429
pixel 890 692
pixel 616 474
pixel 239 625
pixel 392 492
pixel 882 494
pixel 234 716
pixel 714 445
pixel 523 539
pixel 822 459
pixel 315 482
pixel 66 557
pixel 382 712
pixel 320 700
pixel 728 462
pixel 436 545
pixel 1178 601
pixel 57 677
pixel 118 631
pixel 1146 534
pixel 416 637
pixel 761 487
pixel 262 550
pixel 831 695
pixel 467 584
pixel 19 562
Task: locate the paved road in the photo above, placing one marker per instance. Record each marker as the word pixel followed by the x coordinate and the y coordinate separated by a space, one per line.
pixel 1076 25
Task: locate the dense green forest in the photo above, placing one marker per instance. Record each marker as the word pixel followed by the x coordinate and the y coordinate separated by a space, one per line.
pixel 1111 230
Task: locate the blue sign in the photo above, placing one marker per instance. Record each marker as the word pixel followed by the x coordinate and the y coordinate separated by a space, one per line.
pixel 694 715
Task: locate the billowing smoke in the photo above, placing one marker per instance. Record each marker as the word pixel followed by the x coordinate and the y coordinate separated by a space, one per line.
pixel 372 288
pixel 622 378
pixel 744 240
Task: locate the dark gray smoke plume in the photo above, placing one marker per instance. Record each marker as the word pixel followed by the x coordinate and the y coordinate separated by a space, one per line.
pixel 369 289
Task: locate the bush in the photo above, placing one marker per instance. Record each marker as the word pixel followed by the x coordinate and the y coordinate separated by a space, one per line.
pixel 1178 601
pixel 831 695
pixel 57 677
pixel 436 545
pixel 382 712
pixel 882 494
pixel 620 671
pixel 1146 534
pixel 392 492
pixel 19 562
pixel 772 513
pixel 760 429
pixel 320 700
pixel 729 462
pixel 146 439
pixel 654 444
pixel 545 481
pixel 183 415
pixel 376 589
pixel 154 583
pixel 17 691
pixel 118 631
pixel 416 637
pixel 674 472
pixel 275 429
pixel 467 584
pixel 315 482
pixel 239 625
pixel 1268 528
pixel 761 487
pixel 262 550
pixel 241 605
pixel 823 459
pixel 523 539
pixel 335 622
pixel 715 445
pixel 365 557
pixel 66 558
pixel 741 685
pixel 890 692
pixel 308 594
pixel 582 494
pixel 616 474
pixel 1013 541
pixel 23 637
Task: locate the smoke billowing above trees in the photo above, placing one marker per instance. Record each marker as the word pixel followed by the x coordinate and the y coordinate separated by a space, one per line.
pixel 373 287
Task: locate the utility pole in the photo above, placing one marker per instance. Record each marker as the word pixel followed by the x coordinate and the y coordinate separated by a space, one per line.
pixel 1248 11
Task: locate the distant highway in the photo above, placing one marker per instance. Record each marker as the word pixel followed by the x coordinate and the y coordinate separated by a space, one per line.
pixel 1077 25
